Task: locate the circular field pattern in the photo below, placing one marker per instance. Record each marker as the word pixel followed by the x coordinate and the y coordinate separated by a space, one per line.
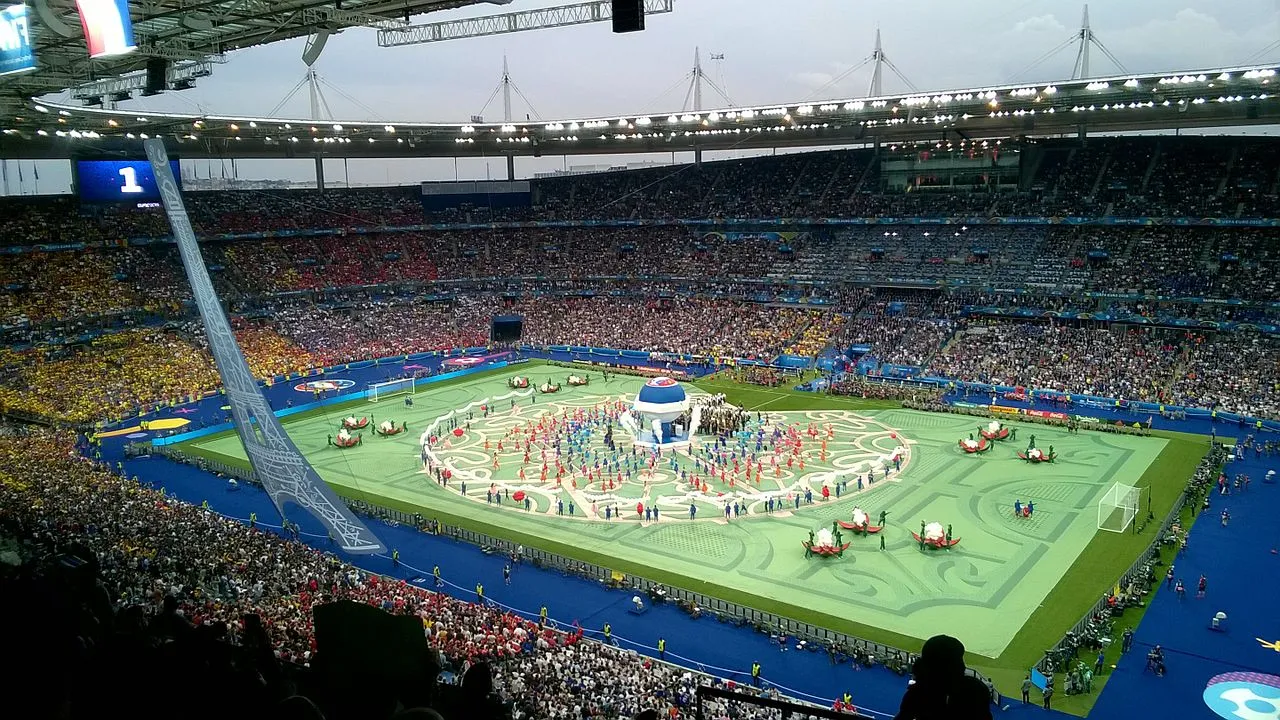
pixel 569 456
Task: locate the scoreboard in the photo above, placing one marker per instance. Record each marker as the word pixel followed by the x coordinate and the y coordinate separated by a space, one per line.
pixel 119 181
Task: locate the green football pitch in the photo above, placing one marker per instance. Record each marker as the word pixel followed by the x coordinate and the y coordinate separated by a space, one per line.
pixel 1008 589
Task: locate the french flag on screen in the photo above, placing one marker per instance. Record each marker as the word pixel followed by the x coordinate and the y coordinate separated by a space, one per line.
pixel 107 27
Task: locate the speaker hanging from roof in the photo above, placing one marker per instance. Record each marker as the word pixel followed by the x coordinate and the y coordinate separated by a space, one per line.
pixel 157 76
pixel 628 16
pixel 315 46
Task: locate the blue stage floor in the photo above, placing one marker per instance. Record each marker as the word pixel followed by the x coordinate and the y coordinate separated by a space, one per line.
pixel 1243 581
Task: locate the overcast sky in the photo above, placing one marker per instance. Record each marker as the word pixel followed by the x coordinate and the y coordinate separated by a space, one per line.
pixel 773 52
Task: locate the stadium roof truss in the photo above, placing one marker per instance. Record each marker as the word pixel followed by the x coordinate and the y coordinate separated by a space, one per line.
pixel 192 34
pixel 1198 98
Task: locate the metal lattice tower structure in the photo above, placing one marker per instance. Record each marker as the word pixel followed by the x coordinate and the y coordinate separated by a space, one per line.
pixel 553 17
pixel 286 475
pixel 878 60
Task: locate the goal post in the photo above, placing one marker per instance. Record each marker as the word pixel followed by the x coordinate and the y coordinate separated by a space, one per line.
pixel 1118 507
pixel 384 390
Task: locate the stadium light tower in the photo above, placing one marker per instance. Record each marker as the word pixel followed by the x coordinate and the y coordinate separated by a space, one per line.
pixel 698 77
pixel 319 108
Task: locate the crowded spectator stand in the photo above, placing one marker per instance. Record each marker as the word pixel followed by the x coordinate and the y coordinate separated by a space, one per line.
pixel 174 571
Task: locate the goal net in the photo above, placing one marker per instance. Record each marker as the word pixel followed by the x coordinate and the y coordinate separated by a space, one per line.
pixel 1118 507
pixel 384 390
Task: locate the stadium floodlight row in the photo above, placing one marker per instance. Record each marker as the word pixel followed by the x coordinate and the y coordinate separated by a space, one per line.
pixel 1218 97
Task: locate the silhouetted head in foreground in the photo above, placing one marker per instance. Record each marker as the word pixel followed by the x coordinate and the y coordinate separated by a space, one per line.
pixel 941 689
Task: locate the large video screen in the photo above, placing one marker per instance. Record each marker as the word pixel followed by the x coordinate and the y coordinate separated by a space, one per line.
pixel 111 181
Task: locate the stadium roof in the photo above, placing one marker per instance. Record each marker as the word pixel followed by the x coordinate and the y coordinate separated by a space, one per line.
pixel 1197 98
pixel 191 34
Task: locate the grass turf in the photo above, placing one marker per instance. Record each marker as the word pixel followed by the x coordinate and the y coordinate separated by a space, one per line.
pixel 1104 559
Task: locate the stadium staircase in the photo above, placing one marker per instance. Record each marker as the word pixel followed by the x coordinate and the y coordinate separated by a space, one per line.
pixel 1102 173
pixel 1151 168
pixel 945 344
pixel 1130 243
pixel 836 172
pixel 785 347
pixel 709 196
pixel 1209 251
pixel 1056 191
pixel 950 342
pixel 229 281
pixel 872 164
pixel 1179 370
pixel 800 176
pixel 1226 175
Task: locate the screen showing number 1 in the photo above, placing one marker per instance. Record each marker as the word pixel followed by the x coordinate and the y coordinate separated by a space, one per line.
pixel 130 176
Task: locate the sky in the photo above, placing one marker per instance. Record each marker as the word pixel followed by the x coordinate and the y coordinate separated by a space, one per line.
pixel 772 52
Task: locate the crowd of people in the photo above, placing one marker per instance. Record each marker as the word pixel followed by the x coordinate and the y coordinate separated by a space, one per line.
pixel 691 326
pixel 1075 263
pixel 675 289
pixel 109 378
pixel 117 374
pixel 1109 362
pixel 218 615
pixel 1240 374
pixel 368 329
pixel 903 330
pixel 114 374
pixel 760 375
pixel 1123 176
pixel 37 288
